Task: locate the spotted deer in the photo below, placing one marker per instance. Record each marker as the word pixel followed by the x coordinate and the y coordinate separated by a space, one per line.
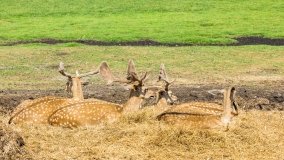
pixel 203 115
pixel 38 110
pixel 94 113
pixel 164 97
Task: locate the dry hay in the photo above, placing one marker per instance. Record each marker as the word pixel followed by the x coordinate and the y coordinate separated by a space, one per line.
pixel 254 135
pixel 11 144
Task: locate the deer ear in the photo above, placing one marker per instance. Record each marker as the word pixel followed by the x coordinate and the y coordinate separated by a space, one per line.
pixel 131 86
pixel 106 73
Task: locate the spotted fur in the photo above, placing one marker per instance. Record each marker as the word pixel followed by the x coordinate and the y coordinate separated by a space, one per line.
pixel 201 114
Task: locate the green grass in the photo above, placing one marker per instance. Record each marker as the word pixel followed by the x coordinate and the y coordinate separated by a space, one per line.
pixel 35 66
pixel 198 22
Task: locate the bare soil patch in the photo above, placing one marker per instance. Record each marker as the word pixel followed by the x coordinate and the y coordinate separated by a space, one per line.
pixel 251 40
pixel 262 98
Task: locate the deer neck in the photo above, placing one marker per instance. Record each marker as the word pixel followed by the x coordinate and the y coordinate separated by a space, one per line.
pixel 133 103
pixel 227 103
pixel 77 91
pixel 162 103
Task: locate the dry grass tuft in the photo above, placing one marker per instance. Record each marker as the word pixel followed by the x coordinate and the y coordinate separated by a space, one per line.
pixel 11 144
pixel 254 135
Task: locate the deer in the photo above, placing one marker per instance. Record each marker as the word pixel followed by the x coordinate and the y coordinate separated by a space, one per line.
pixel 164 97
pixel 203 115
pixel 95 112
pixel 37 111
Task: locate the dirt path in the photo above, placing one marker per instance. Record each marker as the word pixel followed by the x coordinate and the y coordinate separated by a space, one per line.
pixel 248 97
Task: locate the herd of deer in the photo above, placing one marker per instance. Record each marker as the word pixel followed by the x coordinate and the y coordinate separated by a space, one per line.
pixel 77 111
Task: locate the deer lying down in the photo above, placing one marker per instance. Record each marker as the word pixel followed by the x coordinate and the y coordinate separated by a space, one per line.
pixel 94 113
pixel 38 110
pixel 203 115
pixel 164 97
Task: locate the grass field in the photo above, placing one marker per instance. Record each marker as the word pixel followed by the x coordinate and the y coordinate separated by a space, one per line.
pixel 35 66
pixel 197 22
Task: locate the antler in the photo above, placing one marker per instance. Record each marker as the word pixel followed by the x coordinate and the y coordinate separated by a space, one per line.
pixel 61 70
pixel 163 76
pixel 131 72
pixel 88 74
pixel 162 73
pixel 69 82
pixel 132 76
pixel 103 69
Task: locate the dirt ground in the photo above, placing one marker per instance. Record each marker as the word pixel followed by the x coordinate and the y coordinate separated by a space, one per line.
pixel 251 40
pixel 262 98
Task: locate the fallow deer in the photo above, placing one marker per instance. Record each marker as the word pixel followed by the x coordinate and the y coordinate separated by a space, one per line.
pixel 94 113
pixel 38 110
pixel 164 97
pixel 203 115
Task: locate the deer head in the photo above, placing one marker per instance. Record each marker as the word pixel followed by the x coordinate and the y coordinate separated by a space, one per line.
pixel 136 86
pixel 73 84
pixel 163 95
pixel 230 105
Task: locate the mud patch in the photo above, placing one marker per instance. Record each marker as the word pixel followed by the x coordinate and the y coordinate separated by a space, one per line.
pixel 248 97
pixel 259 41
pixel 252 40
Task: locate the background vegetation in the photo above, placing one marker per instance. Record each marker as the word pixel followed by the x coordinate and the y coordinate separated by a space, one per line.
pixel 35 66
pixel 198 22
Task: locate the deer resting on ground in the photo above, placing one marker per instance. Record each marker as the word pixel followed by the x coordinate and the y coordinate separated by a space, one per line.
pixel 37 111
pixel 202 114
pixel 94 113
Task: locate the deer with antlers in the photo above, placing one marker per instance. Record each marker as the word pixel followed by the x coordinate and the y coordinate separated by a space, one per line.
pixel 202 114
pixel 193 114
pixel 94 113
pixel 38 110
pixel 164 98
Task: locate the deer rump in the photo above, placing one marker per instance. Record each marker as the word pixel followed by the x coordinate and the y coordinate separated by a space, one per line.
pixel 36 111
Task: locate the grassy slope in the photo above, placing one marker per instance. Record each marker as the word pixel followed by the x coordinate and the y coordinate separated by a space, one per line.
pixel 31 66
pixel 125 20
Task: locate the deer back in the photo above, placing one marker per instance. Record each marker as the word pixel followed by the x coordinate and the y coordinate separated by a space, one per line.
pixel 38 111
pixel 85 114
pixel 201 114
pixel 191 119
